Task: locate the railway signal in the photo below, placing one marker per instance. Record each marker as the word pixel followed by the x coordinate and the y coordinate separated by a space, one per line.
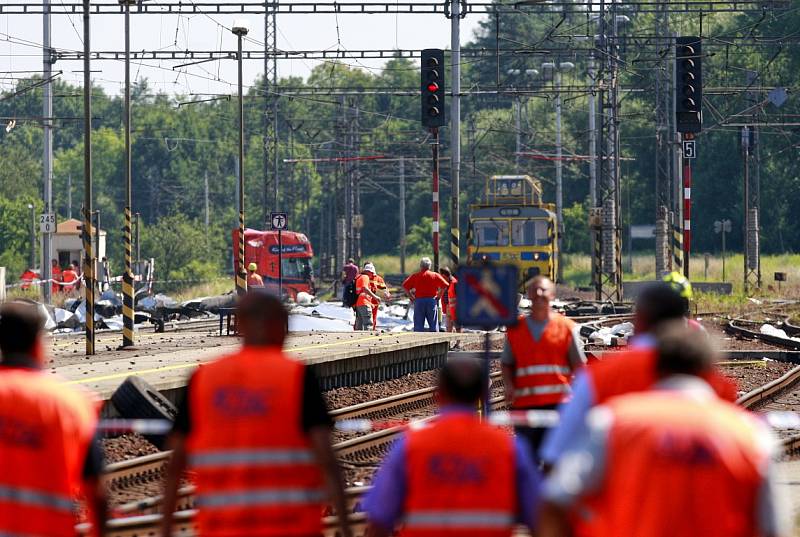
pixel 432 88
pixel 689 84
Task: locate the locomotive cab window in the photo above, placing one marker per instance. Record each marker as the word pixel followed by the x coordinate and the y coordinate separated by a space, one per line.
pixel 529 233
pixel 491 233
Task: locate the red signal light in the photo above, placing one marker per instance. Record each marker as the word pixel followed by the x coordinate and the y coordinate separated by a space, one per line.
pixel 433 87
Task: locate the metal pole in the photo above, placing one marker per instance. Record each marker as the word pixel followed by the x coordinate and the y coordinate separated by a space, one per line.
pixel 402 197
pixel 687 214
pixel 518 132
pixel 241 281
pixel 47 161
pixel 746 193
pixel 32 260
pixel 723 250
pixel 138 249
pixel 86 231
pixel 435 191
pixel 69 195
pixel 592 137
pixel 280 265
pixel 205 190
pixel 127 275
pixel 455 131
pixel 559 187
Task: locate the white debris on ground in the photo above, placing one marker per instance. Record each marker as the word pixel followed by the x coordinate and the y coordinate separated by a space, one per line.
pixel 333 317
pixel 612 335
pixel 769 330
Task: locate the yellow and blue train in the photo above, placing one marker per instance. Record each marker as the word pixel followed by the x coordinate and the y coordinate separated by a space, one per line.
pixel 513 225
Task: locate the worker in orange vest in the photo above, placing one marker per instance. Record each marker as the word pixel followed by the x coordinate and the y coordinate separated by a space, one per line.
pixel 377 285
pixel 255 431
pixel 55 270
pixel 70 278
pixel 49 454
pixel 619 373
pixel 253 277
pixel 674 460
pixel 449 300
pixel 456 476
pixel 541 353
pixel 367 299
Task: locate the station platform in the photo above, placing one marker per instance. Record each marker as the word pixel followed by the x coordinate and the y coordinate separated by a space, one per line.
pixel 789 483
pixel 339 359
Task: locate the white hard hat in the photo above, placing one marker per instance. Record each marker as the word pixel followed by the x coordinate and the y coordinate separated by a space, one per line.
pixel 369 267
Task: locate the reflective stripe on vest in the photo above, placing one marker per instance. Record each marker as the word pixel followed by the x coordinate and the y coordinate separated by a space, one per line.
pixel 260 497
pixel 542 370
pixel 36 498
pixel 265 457
pixel 459 519
pixel 542 390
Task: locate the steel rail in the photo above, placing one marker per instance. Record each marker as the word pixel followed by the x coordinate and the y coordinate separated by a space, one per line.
pixel 362 448
pixel 733 328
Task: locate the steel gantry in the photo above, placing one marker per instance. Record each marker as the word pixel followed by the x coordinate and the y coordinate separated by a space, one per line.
pixel 389 7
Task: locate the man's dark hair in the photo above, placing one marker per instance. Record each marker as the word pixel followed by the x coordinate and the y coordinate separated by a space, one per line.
pixel 659 302
pixel 262 318
pixel 20 326
pixel 445 271
pixel 351 260
pixel 683 351
pixel 461 380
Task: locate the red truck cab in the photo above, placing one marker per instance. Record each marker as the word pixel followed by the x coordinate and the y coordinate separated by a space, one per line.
pixel 261 248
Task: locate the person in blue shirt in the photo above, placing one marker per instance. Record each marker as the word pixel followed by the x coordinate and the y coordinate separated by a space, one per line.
pixel 658 303
pixel 454 475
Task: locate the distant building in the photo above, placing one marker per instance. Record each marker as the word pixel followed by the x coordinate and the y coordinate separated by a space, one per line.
pixel 68 246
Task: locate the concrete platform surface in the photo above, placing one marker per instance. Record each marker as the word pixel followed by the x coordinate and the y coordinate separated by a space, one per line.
pixel 169 369
pixel 789 488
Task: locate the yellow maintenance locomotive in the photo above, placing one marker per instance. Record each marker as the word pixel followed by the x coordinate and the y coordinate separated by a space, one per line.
pixel 512 225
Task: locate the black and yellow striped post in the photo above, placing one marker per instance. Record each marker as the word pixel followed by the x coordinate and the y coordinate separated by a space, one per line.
pixel 86 230
pixel 455 249
pixel 127 285
pixel 88 278
pixel 677 249
pixel 241 274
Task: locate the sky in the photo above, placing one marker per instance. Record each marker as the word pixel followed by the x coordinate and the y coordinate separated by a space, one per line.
pixel 21 38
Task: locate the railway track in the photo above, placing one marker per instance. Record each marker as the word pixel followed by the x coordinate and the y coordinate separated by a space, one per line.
pixel 779 394
pixel 743 328
pixel 135 477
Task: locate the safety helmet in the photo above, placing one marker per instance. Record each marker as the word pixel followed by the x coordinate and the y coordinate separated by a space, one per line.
pixel 252 266
pixel 369 267
pixel 680 284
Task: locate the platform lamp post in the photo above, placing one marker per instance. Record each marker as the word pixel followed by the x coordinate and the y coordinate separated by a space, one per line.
pixel 240 29
pixel 557 70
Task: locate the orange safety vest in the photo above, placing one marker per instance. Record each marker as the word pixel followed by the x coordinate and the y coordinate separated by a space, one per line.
pixel 254 280
pixel 542 373
pixel 45 433
pixel 680 466
pixel 256 473
pixel 376 283
pixel 460 480
pixel 634 370
pixel 363 282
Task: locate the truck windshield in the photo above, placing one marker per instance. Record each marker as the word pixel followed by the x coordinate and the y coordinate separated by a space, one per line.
pixel 297 268
pixel 491 232
pixel 529 233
